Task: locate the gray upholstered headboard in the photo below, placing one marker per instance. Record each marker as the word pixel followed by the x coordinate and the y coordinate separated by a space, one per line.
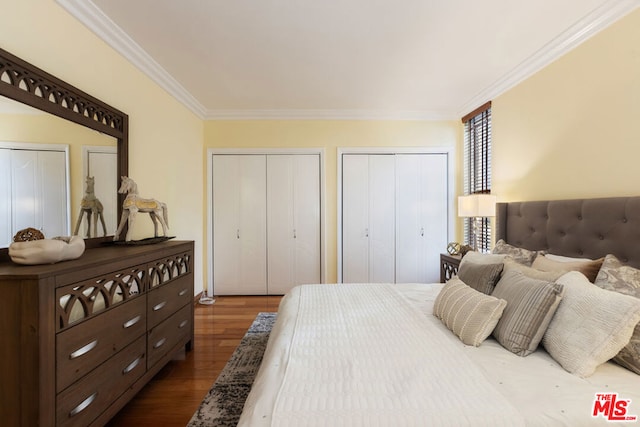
pixel 589 228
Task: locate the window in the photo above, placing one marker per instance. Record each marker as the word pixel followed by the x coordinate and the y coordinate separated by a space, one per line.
pixel 477 169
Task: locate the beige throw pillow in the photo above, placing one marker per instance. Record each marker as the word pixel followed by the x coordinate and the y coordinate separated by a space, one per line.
pixel 587 267
pixel 521 255
pixel 590 326
pixel 531 304
pixel 469 314
pixel 617 277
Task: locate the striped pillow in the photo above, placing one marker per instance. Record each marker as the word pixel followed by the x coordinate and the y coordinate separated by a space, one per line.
pixel 531 304
pixel 469 314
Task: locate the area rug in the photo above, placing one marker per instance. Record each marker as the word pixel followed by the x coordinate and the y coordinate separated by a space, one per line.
pixel 223 404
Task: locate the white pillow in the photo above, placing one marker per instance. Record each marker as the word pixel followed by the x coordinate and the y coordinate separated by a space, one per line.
pixel 468 313
pixel 591 325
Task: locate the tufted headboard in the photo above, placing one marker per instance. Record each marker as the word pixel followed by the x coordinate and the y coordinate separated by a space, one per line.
pixel 589 228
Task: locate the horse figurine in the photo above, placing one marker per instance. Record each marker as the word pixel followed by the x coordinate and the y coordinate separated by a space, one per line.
pixel 91 206
pixel 133 204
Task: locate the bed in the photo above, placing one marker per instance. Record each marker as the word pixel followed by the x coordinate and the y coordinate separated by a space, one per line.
pixel 375 354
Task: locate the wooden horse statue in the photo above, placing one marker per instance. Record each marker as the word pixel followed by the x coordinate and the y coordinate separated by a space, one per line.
pixel 91 206
pixel 133 204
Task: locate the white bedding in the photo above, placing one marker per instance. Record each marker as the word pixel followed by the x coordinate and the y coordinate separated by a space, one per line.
pixel 366 355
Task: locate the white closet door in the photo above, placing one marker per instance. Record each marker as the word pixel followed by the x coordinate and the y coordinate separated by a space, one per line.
pixel 293 221
pixel 239 225
pixel 39 191
pixel 5 194
pixel 368 218
pixel 421 216
pixel 382 219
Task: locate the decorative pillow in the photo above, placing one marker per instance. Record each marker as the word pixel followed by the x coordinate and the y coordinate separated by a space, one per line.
pixel 521 255
pixel 587 267
pixel 469 314
pixel 590 326
pixel 480 258
pixel 481 277
pixel 617 277
pixel 531 304
pixel 549 276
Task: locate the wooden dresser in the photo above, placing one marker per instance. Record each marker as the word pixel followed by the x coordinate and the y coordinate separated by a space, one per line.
pixel 80 338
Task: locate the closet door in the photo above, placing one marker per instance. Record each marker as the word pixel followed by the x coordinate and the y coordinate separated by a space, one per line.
pixel 421 227
pixel 368 218
pixel 39 192
pixel 293 221
pixel 6 235
pixel 239 225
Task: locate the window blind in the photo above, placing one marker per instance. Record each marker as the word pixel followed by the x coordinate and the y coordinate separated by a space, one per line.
pixel 477 169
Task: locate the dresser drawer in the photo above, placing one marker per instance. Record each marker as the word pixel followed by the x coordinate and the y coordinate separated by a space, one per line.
pixel 168 334
pixel 79 349
pixel 166 299
pixel 88 398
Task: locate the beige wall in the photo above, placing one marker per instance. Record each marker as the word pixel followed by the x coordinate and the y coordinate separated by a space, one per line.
pixel 330 135
pixel 165 156
pixel 570 131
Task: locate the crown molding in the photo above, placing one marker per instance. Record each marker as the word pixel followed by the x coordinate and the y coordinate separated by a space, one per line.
pixel 599 19
pixel 312 114
pixel 93 18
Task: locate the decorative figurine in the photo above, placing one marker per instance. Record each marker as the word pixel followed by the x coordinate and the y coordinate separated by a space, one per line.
pixel 91 206
pixel 29 247
pixel 134 204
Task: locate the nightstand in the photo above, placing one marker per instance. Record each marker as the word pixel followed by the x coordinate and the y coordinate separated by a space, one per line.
pixel 448 266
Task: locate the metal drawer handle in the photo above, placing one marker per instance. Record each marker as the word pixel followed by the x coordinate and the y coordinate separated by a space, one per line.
pixel 84 350
pixel 183 324
pixel 160 343
pixel 131 322
pixel 182 292
pixel 159 306
pixel 82 406
pixel 131 366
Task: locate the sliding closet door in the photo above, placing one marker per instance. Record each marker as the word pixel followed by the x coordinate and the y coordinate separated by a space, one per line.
pixel 239 225
pixel 368 218
pixel 421 228
pixel 293 221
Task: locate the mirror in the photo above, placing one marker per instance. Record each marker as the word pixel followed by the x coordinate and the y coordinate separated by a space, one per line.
pixel 61 107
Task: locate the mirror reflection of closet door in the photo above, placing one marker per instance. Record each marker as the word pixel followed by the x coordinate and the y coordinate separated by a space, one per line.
pixel 39 192
pixel 101 163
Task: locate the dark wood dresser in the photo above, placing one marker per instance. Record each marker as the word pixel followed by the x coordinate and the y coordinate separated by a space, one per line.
pixel 80 338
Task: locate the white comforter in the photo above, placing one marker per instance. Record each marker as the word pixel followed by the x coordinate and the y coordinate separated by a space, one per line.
pixel 373 355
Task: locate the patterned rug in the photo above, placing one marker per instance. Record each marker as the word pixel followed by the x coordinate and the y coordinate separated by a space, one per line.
pixel 223 404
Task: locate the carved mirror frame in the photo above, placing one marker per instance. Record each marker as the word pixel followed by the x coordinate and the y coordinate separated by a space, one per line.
pixel 32 86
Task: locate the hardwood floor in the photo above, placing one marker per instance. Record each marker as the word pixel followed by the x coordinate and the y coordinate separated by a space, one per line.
pixel 171 398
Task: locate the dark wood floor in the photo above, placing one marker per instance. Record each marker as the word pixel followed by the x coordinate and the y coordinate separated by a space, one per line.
pixel 171 398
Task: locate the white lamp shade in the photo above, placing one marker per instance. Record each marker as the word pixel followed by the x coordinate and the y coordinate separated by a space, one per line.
pixel 477 205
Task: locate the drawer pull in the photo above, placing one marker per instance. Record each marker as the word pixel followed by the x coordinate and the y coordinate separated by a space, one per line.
pixel 130 323
pixel 182 292
pixel 183 324
pixel 159 306
pixel 82 406
pixel 131 366
pixel 160 343
pixel 84 350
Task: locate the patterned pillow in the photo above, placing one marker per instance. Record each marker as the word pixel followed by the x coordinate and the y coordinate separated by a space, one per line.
pixel 521 255
pixel 531 304
pixel 469 314
pixel 579 342
pixel 481 277
pixel 617 277
pixel 587 267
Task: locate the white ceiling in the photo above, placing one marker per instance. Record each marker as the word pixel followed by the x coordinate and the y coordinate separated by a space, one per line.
pixel 362 59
